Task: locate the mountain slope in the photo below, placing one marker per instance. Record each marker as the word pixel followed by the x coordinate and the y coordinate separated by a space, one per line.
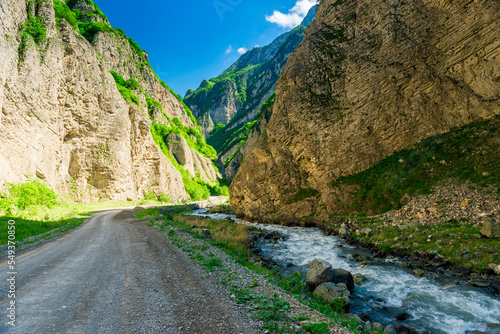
pixel 68 115
pixel 369 79
pixel 227 105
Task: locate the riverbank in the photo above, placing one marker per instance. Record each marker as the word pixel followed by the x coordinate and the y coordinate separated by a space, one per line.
pixel 441 234
pixel 223 247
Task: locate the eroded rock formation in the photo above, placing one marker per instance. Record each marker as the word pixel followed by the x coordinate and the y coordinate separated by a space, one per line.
pixel 370 78
pixel 63 119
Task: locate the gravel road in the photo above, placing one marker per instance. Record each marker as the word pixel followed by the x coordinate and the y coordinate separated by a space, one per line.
pixel 115 274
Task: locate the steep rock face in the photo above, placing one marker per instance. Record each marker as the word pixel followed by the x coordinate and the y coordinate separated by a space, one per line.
pixel 370 77
pixel 63 119
pixel 191 160
pixel 238 153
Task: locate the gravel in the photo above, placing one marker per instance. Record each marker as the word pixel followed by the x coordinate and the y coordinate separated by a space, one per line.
pixel 118 276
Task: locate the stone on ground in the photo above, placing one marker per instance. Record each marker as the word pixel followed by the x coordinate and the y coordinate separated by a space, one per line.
pixel 330 292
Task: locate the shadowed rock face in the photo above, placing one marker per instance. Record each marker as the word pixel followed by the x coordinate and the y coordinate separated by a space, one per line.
pixel 63 119
pixel 370 77
pixel 192 161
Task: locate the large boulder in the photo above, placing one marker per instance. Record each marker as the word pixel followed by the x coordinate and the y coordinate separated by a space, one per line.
pixel 491 229
pixel 330 292
pixel 319 272
pixel 343 276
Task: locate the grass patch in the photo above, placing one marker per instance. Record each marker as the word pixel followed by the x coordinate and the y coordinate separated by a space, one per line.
pixel 470 153
pixel 452 239
pixel 305 193
pixel 233 240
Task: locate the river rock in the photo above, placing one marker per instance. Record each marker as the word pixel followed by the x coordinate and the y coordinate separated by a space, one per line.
pixel 344 232
pixel 343 276
pixel 495 268
pixel 204 233
pixel 319 272
pixel 330 292
pixel 491 229
pixel 480 283
pixel 359 279
pixel 390 330
pixel 418 272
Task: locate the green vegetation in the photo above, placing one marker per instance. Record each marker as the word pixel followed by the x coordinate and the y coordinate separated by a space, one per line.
pixel 470 153
pixel 26 195
pixel 125 88
pixel 305 193
pixel 452 239
pixel 63 12
pixel 196 188
pixel 33 29
pixel 224 141
pixel 90 29
pixel 233 240
pixel 186 109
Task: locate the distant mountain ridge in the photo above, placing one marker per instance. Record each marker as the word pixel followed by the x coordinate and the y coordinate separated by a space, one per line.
pixel 224 106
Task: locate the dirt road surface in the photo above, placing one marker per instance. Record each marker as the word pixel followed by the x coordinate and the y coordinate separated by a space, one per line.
pixel 115 275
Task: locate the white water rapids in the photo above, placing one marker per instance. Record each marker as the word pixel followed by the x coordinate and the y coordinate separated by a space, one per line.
pixel 434 305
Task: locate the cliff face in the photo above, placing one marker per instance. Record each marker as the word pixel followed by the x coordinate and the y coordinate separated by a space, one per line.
pixel 63 119
pixel 252 134
pixel 236 96
pixel 370 78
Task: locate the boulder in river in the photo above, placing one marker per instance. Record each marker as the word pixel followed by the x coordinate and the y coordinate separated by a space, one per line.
pixel 359 279
pixel 389 329
pixel 480 283
pixel 418 272
pixel 330 292
pixel 319 272
pixel 343 276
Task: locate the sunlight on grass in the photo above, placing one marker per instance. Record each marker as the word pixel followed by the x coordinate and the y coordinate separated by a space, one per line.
pixel 39 219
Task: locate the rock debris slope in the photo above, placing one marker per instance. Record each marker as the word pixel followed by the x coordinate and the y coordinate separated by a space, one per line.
pixel 62 117
pixel 370 78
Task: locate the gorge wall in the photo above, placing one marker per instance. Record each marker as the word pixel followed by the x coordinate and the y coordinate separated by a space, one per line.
pixel 370 78
pixel 62 116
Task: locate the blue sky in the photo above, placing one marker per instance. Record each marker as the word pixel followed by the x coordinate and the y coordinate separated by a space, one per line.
pixel 189 41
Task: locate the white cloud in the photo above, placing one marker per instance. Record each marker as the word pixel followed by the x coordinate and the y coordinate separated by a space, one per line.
pixel 229 50
pixel 242 51
pixel 294 16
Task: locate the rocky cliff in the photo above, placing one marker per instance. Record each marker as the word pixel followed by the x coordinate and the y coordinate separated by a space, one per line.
pixel 65 119
pixel 370 78
pixel 236 96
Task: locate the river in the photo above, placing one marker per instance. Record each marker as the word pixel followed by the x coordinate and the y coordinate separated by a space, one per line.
pixel 437 305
